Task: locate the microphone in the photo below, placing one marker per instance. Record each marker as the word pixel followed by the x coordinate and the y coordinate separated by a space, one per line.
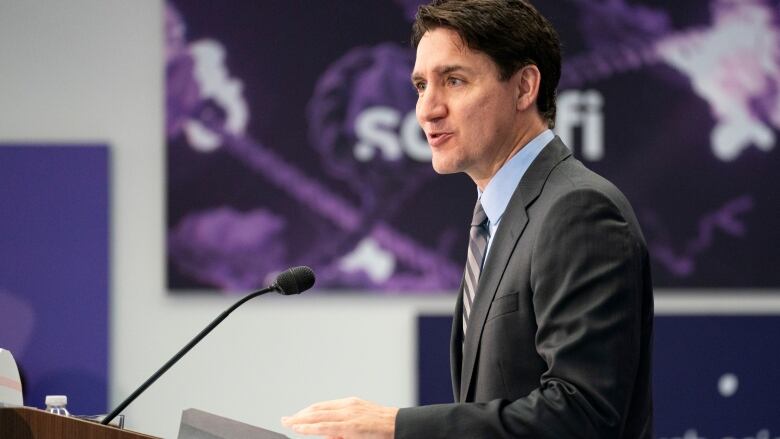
pixel 291 281
pixel 294 280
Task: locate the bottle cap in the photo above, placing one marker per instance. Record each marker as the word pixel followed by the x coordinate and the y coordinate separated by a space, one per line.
pixel 56 400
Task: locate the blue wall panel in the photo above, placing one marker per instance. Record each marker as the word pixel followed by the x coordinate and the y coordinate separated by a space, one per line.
pixel 713 376
pixel 54 265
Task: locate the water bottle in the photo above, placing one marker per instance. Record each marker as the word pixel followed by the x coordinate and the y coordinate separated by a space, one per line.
pixel 57 404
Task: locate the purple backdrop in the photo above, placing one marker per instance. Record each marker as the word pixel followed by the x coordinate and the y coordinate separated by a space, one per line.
pixel 292 140
pixel 54 271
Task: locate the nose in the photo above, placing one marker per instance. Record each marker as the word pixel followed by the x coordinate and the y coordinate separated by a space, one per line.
pixel 431 106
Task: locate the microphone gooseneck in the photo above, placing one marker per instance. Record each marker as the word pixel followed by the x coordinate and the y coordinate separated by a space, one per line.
pixel 291 281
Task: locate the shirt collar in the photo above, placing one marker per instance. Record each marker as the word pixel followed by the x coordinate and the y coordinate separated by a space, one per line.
pixel 499 190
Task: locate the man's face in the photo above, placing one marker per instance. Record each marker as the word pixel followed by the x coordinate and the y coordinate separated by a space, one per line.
pixel 468 114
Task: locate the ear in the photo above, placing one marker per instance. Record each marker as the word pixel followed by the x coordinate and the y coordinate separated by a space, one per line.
pixel 527 81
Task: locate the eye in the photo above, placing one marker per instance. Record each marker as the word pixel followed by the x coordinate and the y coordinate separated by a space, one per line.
pixel 420 86
pixel 454 81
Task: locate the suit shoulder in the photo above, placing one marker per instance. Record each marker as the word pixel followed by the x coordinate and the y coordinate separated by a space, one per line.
pixel 571 176
pixel 572 184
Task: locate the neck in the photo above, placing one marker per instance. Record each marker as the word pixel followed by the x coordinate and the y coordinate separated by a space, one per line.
pixel 524 136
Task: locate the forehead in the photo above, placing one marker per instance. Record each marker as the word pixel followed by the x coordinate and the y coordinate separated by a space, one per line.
pixel 441 48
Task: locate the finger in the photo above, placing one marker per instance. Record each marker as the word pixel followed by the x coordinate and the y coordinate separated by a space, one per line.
pixel 322 428
pixel 332 405
pixel 316 416
pixel 320 406
pixel 308 412
pixel 335 403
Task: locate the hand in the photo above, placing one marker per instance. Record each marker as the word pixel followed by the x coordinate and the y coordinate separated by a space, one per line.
pixel 349 418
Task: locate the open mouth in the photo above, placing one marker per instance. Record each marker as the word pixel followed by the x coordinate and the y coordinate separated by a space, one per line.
pixel 436 139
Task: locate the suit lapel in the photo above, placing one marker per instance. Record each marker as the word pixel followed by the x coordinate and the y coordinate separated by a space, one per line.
pixel 502 245
pixel 456 344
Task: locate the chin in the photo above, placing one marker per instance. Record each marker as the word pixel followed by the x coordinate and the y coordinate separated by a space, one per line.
pixel 442 167
pixel 443 163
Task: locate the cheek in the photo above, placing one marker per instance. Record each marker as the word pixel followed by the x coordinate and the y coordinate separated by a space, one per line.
pixel 481 109
pixel 480 119
pixel 493 117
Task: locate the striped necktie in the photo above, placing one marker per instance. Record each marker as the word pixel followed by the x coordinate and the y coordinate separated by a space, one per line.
pixel 478 239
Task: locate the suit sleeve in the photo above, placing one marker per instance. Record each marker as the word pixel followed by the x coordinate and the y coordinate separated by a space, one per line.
pixel 586 277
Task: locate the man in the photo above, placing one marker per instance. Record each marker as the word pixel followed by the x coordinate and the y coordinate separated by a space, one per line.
pixel 552 330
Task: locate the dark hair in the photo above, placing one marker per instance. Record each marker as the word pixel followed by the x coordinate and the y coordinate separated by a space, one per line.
pixel 511 32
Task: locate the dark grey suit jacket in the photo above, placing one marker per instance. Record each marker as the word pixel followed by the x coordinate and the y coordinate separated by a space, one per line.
pixel 559 337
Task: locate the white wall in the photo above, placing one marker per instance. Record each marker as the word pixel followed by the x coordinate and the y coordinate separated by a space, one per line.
pixel 91 70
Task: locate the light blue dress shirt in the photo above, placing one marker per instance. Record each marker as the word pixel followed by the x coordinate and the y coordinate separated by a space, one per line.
pixel 499 190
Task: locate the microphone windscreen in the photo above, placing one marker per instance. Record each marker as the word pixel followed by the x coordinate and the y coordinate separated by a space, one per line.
pixel 295 280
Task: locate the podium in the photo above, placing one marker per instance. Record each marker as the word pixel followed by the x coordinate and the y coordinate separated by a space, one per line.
pixel 30 423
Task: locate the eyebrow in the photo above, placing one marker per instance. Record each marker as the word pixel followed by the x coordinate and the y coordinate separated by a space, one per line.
pixel 443 70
